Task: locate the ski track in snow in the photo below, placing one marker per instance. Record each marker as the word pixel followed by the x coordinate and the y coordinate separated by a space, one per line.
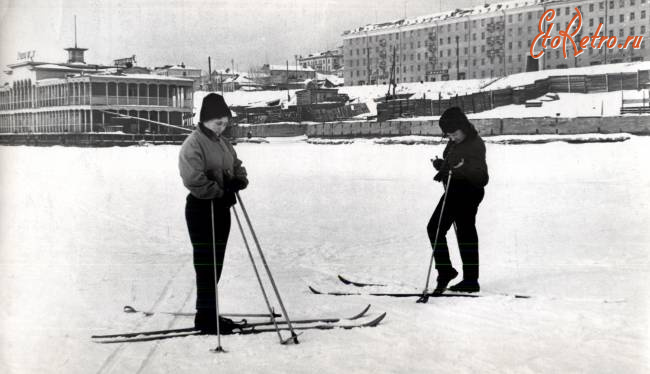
pixel 86 231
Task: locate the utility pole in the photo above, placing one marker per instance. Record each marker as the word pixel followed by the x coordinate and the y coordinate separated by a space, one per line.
pixel 210 75
pixel 295 57
pixel 457 59
pixel 288 96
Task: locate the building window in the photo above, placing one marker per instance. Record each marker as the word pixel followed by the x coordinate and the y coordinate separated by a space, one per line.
pixel 509 45
pixel 611 20
pixel 591 22
pixel 482 48
pixel 611 4
pixel 643 14
pixel 621 33
pixel 632 31
pixel 530 16
pixel 631 2
pixel 591 7
pixel 441 41
pixel 642 29
pixel 621 18
pixel 601 5
pixel 449 40
pixel 567 10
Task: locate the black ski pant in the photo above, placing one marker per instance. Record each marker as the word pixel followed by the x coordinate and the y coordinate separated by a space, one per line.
pixel 460 208
pixel 199 224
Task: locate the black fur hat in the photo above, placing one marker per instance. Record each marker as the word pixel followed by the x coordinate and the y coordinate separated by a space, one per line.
pixel 214 106
pixel 454 119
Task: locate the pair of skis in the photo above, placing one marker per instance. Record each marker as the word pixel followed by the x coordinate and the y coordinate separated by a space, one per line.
pixel 246 328
pixel 399 294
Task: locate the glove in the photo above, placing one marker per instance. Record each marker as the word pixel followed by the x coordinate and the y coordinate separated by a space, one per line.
pixel 441 176
pixel 234 183
pixel 438 163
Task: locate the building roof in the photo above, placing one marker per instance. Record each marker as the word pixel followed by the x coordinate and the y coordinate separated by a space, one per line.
pixel 321 54
pixel 291 68
pixel 441 16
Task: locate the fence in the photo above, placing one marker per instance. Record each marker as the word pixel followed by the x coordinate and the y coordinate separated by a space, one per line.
pixel 486 100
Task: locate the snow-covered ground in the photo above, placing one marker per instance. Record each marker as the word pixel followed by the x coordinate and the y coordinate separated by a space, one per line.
pixel 85 231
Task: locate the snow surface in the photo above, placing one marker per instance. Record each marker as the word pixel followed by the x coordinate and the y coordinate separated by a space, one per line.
pixel 86 231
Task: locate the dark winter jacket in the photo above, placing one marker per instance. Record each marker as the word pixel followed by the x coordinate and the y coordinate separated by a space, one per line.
pixel 204 160
pixel 474 171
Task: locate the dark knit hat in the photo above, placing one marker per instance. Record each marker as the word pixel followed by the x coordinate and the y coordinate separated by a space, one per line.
pixel 454 119
pixel 214 106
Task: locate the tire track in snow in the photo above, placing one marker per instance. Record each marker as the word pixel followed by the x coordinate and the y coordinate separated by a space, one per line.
pixel 170 325
pixel 111 360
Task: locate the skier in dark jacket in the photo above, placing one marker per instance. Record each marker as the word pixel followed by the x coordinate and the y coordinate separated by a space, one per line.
pixel 464 157
pixel 213 174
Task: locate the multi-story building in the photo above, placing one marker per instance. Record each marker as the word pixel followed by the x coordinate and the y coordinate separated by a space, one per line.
pixel 44 97
pixel 328 62
pixel 489 41
pixel 281 75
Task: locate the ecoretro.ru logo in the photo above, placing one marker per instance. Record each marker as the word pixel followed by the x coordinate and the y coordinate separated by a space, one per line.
pixel 595 41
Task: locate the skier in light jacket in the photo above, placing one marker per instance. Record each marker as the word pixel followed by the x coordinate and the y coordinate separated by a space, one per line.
pixel 464 156
pixel 212 173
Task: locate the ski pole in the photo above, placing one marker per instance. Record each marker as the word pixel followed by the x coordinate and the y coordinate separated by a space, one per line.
pixel 257 274
pixel 425 294
pixel 293 337
pixel 216 285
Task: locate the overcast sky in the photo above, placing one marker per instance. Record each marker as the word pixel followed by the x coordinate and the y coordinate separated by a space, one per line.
pixel 250 32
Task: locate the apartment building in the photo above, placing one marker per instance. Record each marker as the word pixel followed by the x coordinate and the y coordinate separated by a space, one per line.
pixel 490 40
pixel 328 62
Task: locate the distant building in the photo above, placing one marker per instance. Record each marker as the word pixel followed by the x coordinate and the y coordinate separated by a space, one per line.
pixel 328 62
pixel 283 75
pixel 45 97
pixel 181 71
pixel 490 40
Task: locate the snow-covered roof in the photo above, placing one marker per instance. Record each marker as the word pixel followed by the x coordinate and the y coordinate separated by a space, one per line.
pixel 55 67
pixel 291 68
pixel 447 15
pixel 179 67
pixel 140 76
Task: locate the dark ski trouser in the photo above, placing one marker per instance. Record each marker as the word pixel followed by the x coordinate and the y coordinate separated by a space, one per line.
pixel 461 207
pixel 199 224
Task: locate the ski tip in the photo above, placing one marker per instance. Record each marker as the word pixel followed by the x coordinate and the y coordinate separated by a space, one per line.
pixel 129 309
pixel 343 279
pixel 363 312
pixel 313 290
pixel 375 321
